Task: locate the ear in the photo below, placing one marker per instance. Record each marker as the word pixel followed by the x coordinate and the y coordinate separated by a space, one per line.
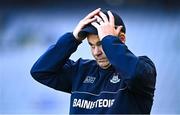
pixel 122 37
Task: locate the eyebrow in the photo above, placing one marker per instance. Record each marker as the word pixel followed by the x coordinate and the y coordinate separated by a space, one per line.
pixel 90 44
pixel 97 43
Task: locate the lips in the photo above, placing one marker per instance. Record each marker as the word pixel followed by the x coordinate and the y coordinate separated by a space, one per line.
pixel 101 60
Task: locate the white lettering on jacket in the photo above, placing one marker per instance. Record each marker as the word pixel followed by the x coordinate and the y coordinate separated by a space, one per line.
pixel 86 104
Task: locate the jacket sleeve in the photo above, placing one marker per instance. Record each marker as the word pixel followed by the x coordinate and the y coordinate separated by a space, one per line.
pixel 138 72
pixel 54 68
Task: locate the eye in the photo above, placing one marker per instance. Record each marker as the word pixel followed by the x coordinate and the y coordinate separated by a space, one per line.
pixel 92 46
pixel 98 43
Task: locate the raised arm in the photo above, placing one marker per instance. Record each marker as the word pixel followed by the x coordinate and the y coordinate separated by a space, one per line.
pixel 54 68
pixel 138 72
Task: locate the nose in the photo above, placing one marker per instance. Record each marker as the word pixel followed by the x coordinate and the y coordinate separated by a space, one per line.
pixel 97 50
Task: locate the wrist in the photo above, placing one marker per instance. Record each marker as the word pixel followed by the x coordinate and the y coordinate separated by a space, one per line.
pixel 77 39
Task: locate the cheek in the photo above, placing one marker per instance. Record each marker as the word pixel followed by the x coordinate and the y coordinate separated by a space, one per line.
pixel 104 55
pixel 92 51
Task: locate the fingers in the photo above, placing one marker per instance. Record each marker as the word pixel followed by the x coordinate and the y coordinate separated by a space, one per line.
pixel 89 20
pixel 90 15
pixel 103 16
pixel 98 19
pixel 95 24
pixel 111 18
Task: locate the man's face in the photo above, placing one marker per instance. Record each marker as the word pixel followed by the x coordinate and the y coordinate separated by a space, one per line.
pixel 97 51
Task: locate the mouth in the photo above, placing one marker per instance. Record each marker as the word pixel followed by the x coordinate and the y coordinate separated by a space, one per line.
pixel 101 60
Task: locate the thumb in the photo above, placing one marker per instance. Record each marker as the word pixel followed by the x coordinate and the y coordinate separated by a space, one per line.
pixel 118 30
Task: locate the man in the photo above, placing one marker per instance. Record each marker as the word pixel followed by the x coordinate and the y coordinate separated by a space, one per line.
pixel 116 82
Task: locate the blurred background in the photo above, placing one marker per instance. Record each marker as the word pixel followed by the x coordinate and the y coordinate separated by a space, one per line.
pixel 29 27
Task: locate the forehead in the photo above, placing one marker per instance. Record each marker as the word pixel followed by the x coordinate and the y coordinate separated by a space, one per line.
pixel 93 38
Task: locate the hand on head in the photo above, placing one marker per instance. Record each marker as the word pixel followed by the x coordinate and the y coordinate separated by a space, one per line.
pixel 102 24
pixel 106 25
pixel 85 21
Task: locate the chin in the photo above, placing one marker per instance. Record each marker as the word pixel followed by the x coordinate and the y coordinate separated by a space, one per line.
pixel 104 65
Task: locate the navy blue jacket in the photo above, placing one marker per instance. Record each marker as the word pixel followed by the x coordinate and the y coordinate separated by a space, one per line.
pixel 127 86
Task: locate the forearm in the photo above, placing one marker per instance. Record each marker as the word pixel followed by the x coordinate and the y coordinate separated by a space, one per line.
pixel 119 55
pixel 56 56
pixel 138 72
pixel 54 68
